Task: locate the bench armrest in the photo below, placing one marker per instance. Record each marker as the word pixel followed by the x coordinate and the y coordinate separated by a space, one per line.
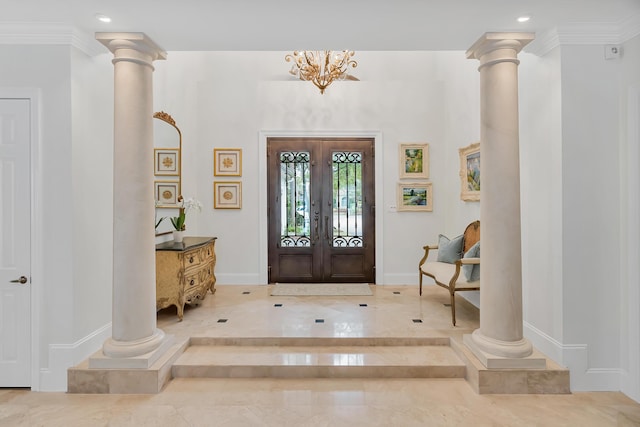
pixel 426 253
pixel 470 261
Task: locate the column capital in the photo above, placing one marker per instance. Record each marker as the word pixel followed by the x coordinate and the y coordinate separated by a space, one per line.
pixel 134 47
pixel 509 43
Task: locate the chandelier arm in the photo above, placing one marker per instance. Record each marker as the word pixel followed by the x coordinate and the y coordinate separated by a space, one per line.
pixel 319 67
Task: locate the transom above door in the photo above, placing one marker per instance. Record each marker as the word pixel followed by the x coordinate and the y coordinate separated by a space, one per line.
pixel 321 214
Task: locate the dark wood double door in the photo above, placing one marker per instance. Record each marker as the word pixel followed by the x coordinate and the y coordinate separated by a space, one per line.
pixel 321 210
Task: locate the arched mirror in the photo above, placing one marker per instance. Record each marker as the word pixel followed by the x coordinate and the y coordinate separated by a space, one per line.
pixel 167 163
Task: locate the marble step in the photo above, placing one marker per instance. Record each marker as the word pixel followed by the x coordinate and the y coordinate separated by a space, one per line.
pixel 437 339
pixel 300 361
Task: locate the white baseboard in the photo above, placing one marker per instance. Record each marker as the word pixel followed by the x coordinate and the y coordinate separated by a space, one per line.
pixel 576 358
pixel 64 356
pixel 602 379
pixel 546 344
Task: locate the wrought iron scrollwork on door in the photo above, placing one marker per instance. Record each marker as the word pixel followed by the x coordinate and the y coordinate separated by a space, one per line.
pixel 294 203
pixel 347 199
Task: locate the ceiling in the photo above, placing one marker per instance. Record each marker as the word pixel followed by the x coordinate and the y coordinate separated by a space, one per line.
pixel 239 25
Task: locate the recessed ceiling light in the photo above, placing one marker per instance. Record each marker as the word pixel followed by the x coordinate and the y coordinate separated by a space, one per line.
pixel 524 18
pixel 102 18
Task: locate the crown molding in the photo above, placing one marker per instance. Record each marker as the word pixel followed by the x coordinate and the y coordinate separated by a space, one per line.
pixel 630 27
pixel 48 33
pixel 586 34
pixel 543 43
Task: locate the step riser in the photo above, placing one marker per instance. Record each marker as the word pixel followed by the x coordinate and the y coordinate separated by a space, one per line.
pixel 321 342
pixel 318 371
pixel 317 358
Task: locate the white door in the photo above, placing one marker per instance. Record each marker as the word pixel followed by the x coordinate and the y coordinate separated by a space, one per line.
pixel 15 243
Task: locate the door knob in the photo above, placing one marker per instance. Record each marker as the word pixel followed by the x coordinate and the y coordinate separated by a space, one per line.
pixel 21 280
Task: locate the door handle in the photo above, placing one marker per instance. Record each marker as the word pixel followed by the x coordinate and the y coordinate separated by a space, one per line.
pixel 316 232
pixel 326 227
pixel 22 280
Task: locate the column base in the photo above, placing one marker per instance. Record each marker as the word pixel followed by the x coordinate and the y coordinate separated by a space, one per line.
pixel 82 379
pixel 494 354
pixel 553 379
pixel 136 355
pixel 114 348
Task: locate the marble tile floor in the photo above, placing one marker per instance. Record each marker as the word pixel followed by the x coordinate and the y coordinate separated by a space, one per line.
pixel 317 402
pixel 392 311
pixel 250 312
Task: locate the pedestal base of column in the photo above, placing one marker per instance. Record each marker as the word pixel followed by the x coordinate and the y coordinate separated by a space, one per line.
pixel 494 354
pixel 113 380
pixel 139 354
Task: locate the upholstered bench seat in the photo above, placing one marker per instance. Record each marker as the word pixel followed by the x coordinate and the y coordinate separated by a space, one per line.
pixel 443 272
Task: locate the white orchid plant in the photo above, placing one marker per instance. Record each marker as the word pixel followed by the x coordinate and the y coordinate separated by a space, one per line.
pixel 186 206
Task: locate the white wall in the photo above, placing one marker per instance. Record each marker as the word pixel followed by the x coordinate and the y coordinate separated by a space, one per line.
pixel 541 199
pixel 591 209
pixel 630 217
pixel 573 198
pixel 224 99
pixel 92 181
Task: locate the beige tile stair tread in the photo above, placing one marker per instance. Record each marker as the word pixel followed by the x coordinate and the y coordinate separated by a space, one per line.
pixel 207 361
pixel 319 362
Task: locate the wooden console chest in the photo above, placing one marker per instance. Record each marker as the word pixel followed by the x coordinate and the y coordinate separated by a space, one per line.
pixel 184 272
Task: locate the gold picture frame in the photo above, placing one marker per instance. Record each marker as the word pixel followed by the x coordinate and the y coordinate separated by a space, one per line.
pixel 470 173
pixel 166 194
pixel 415 196
pixel 227 162
pixel 227 195
pixel 414 160
pixel 166 161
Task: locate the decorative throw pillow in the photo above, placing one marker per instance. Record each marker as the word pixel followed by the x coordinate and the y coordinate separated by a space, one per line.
pixel 449 250
pixel 472 271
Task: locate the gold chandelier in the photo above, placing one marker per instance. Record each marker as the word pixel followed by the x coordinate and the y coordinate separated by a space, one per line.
pixel 321 67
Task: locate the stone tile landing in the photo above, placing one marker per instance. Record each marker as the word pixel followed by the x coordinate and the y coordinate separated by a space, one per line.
pixel 244 332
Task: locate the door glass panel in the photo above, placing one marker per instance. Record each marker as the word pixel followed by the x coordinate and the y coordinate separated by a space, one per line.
pixel 294 202
pixel 347 199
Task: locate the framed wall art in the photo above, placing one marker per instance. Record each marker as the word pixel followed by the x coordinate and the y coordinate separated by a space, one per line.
pixel 166 161
pixel 227 195
pixel 414 160
pixel 415 196
pixel 227 162
pixel 470 173
pixel 166 194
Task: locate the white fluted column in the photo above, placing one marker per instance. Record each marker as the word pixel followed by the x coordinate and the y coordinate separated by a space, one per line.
pixel 134 331
pixel 499 340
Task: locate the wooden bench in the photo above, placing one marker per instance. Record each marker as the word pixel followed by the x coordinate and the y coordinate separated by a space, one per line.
pixel 447 274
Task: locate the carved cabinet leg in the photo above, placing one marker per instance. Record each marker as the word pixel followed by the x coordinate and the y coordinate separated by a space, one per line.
pixel 180 307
